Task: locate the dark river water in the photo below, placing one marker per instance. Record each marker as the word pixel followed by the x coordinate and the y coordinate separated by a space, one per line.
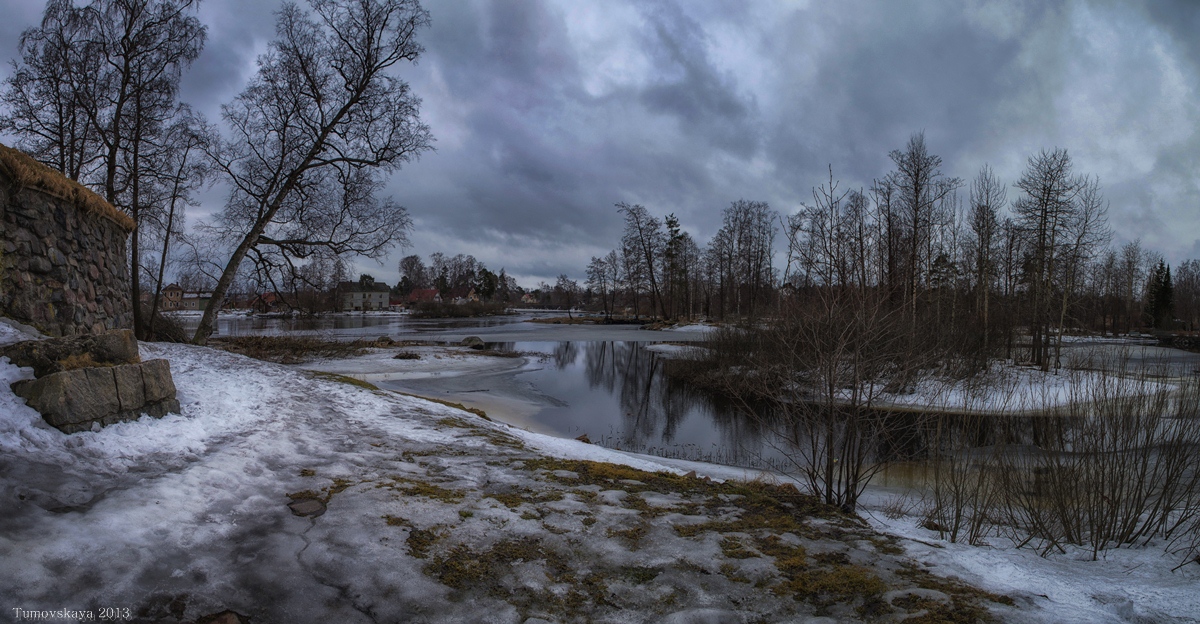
pixel 351 326
pixel 617 394
pixel 614 391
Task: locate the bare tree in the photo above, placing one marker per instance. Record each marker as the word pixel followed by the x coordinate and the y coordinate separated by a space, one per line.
pixel 182 171
pixel 566 290
pixel 321 116
pixel 919 187
pixel 1086 233
pixel 1187 293
pixel 988 197
pixel 413 273
pixel 46 95
pixel 599 280
pixel 1133 266
pixel 644 242
pixel 746 244
pixel 1044 212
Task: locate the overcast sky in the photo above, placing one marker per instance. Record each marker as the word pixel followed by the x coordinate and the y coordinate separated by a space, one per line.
pixel 547 113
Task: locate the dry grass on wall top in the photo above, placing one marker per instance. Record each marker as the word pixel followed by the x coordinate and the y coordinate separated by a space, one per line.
pixel 29 173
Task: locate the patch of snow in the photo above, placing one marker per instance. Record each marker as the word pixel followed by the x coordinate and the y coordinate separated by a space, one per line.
pixel 1013 389
pixel 670 350
pixel 1125 585
pixel 694 328
pixel 12 332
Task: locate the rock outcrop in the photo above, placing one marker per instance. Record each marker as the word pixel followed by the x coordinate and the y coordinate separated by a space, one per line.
pixel 51 356
pixel 90 381
pixel 474 342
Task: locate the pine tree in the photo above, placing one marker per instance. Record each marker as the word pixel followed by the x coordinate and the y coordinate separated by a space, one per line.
pixel 1161 297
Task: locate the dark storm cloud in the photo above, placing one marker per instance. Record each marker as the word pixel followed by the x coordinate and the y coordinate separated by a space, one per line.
pixel 237 33
pixel 881 76
pixel 546 113
pixel 700 96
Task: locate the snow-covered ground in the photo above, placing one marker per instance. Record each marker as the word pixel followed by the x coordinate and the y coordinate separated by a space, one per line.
pixel 1014 389
pixel 1126 585
pixel 430 514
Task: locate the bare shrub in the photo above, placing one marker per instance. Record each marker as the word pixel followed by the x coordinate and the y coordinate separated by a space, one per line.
pixel 964 490
pixel 810 378
pixel 163 327
pixel 1109 459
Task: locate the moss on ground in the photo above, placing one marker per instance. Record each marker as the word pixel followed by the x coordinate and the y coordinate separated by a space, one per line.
pixel 759 531
pixel 325 494
pixel 413 487
pixel 343 379
pixel 516 498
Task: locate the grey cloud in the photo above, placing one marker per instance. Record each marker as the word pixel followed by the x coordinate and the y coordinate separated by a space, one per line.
pixel 531 156
pixel 691 89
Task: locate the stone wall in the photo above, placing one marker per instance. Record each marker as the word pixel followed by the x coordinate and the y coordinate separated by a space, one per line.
pixel 63 268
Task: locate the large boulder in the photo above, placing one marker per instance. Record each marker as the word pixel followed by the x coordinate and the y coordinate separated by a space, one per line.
pixel 474 342
pixel 75 400
pixel 58 354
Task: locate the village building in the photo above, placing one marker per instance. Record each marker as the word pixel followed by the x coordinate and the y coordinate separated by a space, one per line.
pixel 363 296
pixel 424 295
pixel 174 297
pixel 462 294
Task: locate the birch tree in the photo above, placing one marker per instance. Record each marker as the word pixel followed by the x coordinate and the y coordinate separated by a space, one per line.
pixel 311 133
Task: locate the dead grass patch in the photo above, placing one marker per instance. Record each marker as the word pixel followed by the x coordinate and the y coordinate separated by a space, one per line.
pixel 412 487
pixel 366 385
pixel 29 173
pixel 459 406
pixel 292 349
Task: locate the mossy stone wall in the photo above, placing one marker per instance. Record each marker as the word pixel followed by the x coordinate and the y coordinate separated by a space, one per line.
pixel 64 270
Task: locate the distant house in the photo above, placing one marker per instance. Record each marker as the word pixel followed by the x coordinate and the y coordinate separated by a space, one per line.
pixel 267 303
pixel 172 297
pixel 529 298
pixel 462 294
pixel 363 297
pixel 195 301
pixel 424 295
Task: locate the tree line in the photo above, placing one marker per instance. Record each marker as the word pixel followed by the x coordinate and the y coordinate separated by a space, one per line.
pixel 94 94
pixel 980 266
pixel 659 270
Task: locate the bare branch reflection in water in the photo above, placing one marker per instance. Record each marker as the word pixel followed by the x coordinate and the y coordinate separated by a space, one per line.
pixel 618 393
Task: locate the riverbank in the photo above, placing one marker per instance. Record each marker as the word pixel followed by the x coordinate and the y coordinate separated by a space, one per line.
pixel 1126 585
pixel 288 495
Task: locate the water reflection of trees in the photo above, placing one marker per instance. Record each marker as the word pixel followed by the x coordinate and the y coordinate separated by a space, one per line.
pixel 654 406
pixel 565 354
